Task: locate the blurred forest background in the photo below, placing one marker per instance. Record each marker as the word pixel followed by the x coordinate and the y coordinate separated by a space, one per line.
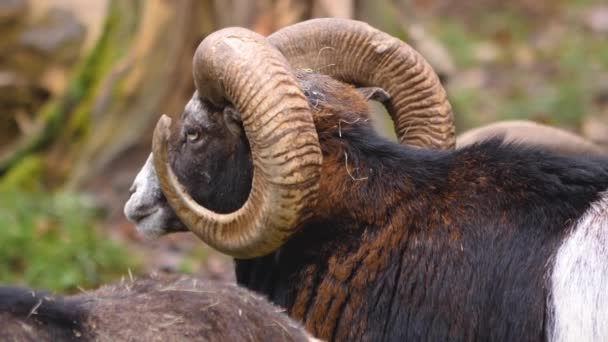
pixel 82 83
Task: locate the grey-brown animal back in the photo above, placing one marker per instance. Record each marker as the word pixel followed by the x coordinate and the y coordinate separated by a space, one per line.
pixel 357 53
pixel 176 308
pixel 532 133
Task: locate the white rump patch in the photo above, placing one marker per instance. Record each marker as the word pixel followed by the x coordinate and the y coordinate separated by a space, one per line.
pixel 578 303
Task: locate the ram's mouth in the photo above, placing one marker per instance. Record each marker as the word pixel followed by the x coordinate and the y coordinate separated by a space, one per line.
pixel 139 215
pixel 148 221
pixel 153 221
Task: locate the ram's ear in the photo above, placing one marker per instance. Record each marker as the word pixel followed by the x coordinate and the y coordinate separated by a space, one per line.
pixel 374 93
pixel 232 118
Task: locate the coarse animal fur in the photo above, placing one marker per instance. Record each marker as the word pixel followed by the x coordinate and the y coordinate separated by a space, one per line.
pixel 169 308
pixel 407 244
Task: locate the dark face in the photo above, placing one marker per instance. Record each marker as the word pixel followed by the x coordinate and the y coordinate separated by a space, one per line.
pixel 210 155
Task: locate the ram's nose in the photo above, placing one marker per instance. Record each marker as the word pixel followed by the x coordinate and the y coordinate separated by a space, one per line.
pixel 145 196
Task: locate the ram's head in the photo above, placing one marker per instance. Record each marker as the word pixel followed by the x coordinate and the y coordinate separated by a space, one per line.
pixel 242 167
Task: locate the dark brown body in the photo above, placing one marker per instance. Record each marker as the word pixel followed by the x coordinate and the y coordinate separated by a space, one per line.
pixel 403 244
pixel 416 245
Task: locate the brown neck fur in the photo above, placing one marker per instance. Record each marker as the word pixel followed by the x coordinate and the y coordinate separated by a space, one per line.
pixel 398 247
pixel 347 207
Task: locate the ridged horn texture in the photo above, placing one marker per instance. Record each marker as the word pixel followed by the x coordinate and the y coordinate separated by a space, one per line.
pixel 354 52
pixel 238 66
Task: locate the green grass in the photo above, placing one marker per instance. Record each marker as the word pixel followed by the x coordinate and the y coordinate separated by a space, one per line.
pixel 51 241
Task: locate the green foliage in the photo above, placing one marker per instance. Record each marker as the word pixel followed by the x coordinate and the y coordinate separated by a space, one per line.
pixel 458 41
pixel 523 65
pixel 50 241
pixel 24 175
pixel 68 116
pixel 89 75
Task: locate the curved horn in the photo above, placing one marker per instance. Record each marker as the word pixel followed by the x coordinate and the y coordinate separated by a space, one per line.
pixel 354 52
pixel 239 66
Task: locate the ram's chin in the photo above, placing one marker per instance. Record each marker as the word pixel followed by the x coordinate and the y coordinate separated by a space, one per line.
pixel 153 226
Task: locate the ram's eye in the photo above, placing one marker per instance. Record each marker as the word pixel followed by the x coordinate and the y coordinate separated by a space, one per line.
pixel 192 136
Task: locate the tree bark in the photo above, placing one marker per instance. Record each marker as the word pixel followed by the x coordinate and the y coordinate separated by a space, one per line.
pixel 139 68
pixel 153 77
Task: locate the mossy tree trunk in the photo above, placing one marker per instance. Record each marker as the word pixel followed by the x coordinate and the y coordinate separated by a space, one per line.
pixel 139 68
pixel 153 76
